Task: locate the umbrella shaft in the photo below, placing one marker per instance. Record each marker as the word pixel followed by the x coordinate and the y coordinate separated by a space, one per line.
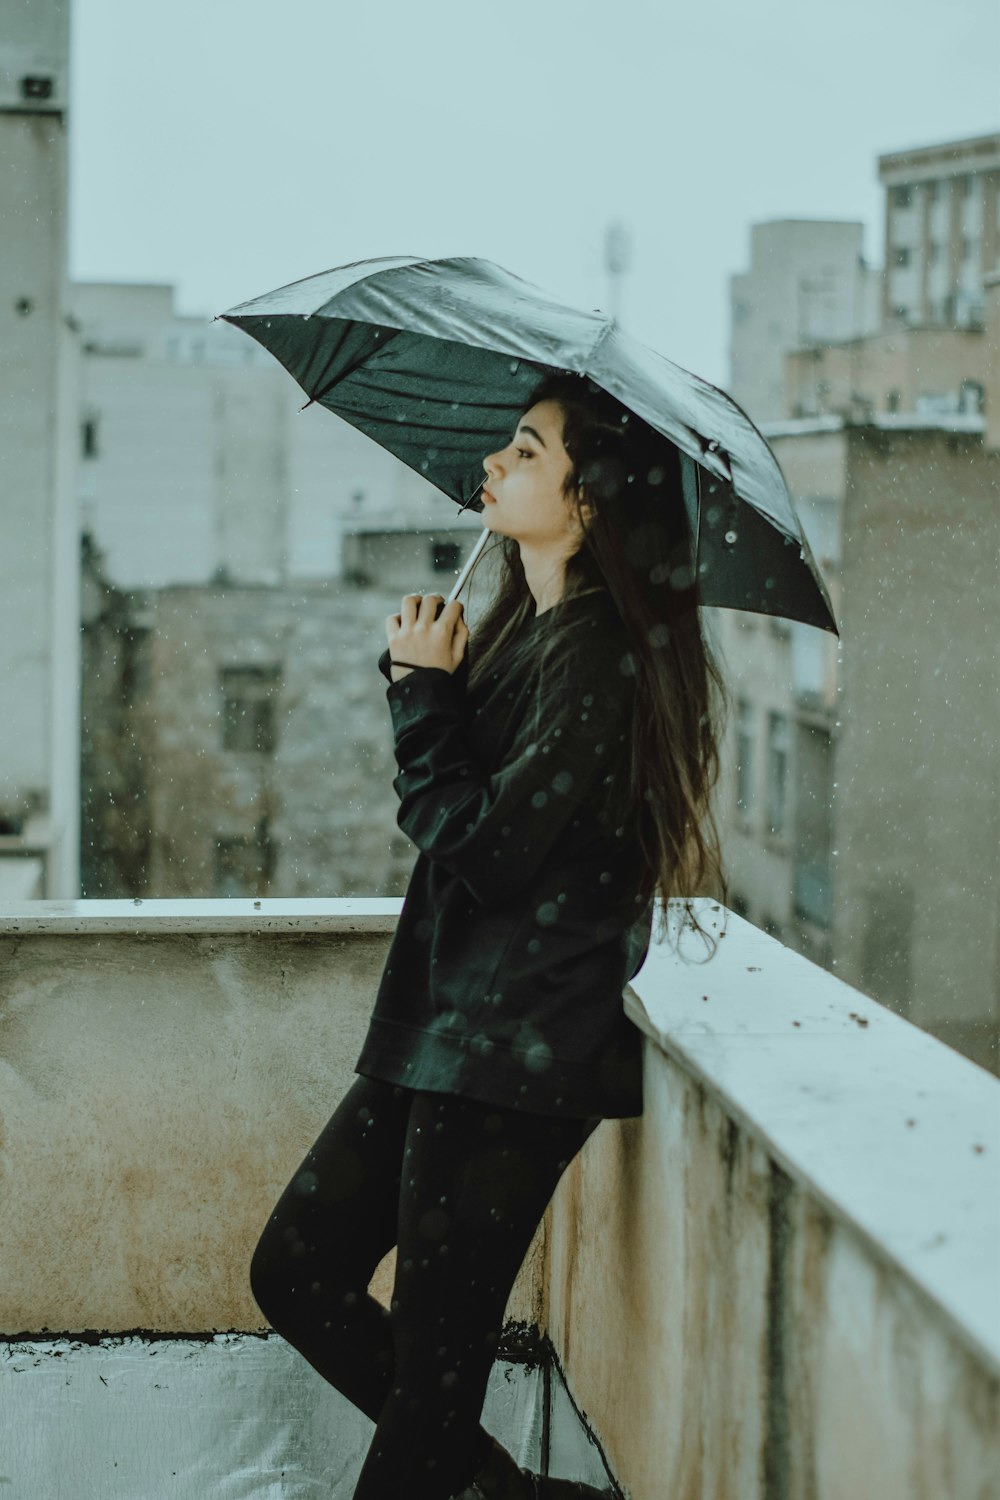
pixel 470 563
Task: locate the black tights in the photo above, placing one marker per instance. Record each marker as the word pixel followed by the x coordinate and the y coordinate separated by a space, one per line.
pixel 459 1188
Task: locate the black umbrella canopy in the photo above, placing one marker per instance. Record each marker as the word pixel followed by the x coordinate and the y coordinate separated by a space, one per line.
pixel 436 359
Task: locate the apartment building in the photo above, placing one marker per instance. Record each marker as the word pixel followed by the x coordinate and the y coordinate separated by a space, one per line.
pixel 39 572
pixel 862 821
pixel 942 231
pixel 807 284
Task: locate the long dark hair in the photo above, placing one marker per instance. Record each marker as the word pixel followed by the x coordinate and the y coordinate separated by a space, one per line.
pixel 636 544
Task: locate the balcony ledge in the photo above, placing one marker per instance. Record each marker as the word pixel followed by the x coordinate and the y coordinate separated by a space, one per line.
pixel 894 1132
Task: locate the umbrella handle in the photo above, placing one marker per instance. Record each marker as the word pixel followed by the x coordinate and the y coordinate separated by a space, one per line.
pixel 470 563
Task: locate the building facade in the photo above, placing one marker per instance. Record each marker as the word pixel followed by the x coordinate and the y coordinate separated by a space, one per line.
pixel 862 792
pixel 237 741
pixel 197 461
pixel 39 572
pixel 807 284
pixel 942 231
pixel 927 371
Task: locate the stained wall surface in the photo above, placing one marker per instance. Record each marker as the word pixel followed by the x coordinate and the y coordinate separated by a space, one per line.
pixel 780 1282
pixel 158 1094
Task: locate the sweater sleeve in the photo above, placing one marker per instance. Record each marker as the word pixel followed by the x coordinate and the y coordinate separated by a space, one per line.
pixel 495 831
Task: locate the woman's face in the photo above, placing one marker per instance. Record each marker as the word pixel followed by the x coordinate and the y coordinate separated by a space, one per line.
pixel 523 495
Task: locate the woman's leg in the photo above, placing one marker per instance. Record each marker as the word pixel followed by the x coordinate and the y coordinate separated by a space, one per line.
pixel 330 1228
pixel 475 1183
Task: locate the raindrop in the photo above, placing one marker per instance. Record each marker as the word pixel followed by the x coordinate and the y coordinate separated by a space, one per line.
pixel 538 1058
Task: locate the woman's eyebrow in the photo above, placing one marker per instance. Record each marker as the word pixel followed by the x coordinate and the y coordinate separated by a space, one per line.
pixel 534 434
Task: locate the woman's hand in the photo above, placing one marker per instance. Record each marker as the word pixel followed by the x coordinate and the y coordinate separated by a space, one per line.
pixel 420 635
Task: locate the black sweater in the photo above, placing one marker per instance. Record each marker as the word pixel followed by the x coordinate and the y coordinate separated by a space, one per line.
pixel 519 928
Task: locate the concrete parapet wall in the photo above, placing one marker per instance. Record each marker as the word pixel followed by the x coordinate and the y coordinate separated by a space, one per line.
pixel 781 1281
pixel 159 1088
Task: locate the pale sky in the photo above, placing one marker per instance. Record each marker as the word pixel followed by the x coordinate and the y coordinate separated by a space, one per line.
pixel 229 146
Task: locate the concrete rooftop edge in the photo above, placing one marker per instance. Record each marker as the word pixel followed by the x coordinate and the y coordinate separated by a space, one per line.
pixel 237 914
pixel 894 1133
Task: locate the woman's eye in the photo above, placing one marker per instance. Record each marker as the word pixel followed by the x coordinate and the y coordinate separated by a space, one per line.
pixel 523 453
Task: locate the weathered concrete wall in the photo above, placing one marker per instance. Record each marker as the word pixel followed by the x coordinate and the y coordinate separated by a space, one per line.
pixel 729 1339
pixel 780 1282
pixel 916 919
pixel 161 788
pixel 158 1092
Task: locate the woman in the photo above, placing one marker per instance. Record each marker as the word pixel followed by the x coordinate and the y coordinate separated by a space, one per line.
pixel 555 770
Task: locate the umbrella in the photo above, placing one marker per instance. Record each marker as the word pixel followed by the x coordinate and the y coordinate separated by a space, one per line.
pixel 435 360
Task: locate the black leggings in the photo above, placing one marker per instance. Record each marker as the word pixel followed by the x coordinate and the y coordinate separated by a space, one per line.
pixel 459 1188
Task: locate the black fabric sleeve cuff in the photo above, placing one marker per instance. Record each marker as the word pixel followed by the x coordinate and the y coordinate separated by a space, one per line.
pixel 460 676
pixel 425 693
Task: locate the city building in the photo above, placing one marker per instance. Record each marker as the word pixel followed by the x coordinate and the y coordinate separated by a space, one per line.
pixel 236 737
pixel 39 569
pixel 862 818
pixel 942 231
pixel 807 284
pixel 198 462
pixel 925 370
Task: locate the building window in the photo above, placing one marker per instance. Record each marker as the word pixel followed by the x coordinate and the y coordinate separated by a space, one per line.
pixel 249 699
pixel 739 904
pixel 968 185
pixel 445 556
pixel 89 437
pixel 772 927
pixel 244 865
pixel 777 772
pixel 901 197
pixel 932 189
pixel 892 401
pixel 901 255
pixel 971 397
pixel 933 253
pixel 969 248
pixel 744 755
pixel 901 312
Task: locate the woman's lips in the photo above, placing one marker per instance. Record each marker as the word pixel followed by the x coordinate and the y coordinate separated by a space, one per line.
pixel 489 497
